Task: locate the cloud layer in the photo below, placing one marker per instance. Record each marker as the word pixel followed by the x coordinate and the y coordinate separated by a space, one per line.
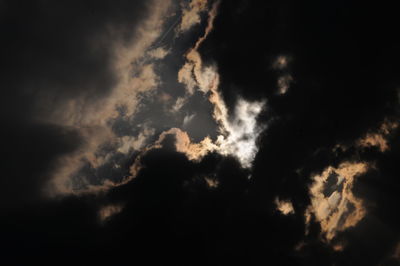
pixel 199 133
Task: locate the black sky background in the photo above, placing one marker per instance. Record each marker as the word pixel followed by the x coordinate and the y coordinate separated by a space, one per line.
pixel 344 60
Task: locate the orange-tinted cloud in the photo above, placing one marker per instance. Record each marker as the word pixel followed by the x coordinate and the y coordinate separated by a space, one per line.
pixel 91 116
pixel 183 144
pixel 191 14
pixel 284 206
pixel 106 212
pixel 378 138
pixel 333 203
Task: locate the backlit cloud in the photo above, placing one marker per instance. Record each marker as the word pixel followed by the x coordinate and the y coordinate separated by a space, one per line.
pixel 135 77
pixel 378 138
pixel 284 206
pixel 191 14
pixel 332 200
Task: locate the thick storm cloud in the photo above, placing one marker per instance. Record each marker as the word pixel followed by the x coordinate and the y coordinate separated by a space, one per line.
pixel 199 132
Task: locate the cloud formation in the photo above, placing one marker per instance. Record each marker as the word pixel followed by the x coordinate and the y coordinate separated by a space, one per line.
pixel 332 200
pixel 191 14
pixel 199 133
pixel 285 207
pixel 134 77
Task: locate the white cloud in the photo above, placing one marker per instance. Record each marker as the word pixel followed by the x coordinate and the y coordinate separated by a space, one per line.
pixel 242 132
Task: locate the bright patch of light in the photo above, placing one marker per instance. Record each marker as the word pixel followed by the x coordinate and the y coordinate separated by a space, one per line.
pixel 242 132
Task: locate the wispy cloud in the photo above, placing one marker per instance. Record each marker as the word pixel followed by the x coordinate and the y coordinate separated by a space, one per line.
pixel 92 118
pixel 191 14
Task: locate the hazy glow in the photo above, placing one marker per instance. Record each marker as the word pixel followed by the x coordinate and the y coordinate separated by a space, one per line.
pixel 106 212
pixel 281 62
pixel 281 65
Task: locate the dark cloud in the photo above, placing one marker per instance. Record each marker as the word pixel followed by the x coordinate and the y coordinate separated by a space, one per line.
pixel 28 152
pixel 60 50
pixel 342 63
pixel 339 92
pixel 53 53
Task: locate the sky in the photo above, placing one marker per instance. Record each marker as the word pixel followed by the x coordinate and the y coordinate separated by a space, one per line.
pixel 199 132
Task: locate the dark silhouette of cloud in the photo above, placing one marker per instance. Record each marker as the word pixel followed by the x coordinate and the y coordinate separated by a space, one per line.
pixel 339 105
